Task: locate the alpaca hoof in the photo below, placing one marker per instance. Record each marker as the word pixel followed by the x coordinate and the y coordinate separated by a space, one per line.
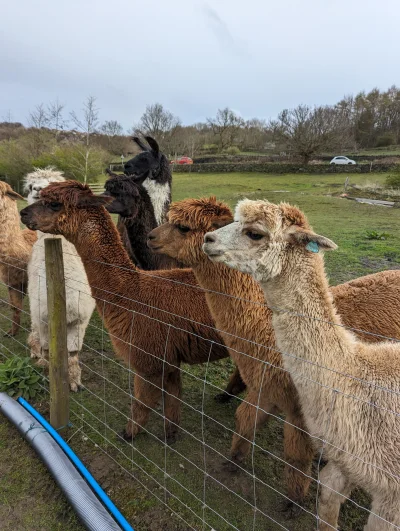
pixel 76 388
pixel 223 398
pixel 41 362
pixel 290 509
pixel 126 436
pixel 10 333
pixel 231 466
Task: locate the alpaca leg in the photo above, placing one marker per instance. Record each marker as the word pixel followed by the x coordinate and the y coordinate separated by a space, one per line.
pixel 34 344
pixel 147 391
pixel 235 386
pixel 172 405
pixel 74 372
pixel 298 454
pixel 330 501
pixel 388 509
pixel 16 297
pixel 248 419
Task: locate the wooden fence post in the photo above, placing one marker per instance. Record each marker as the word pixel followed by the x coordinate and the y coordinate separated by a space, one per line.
pixel 58 351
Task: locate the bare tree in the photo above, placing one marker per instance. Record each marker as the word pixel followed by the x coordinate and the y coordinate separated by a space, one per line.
pixel 87 125
pixel 225 126
pixel 111 128
pixel 55 116
pixel 157 122
pixel 306 131
pixel 90 120
pixel 7 117
pixel 114 140
pixel 38 117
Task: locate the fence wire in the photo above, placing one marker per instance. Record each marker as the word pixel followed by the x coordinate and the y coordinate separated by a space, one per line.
pixel 194 479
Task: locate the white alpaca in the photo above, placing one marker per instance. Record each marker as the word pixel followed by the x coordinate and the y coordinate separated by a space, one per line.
pixel 349 390
pixel 80 304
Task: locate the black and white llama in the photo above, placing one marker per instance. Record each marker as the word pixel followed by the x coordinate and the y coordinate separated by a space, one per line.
pixel 159 181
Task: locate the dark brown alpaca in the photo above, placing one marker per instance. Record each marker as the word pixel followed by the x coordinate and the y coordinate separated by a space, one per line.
pixel 132 203
pixel 149 320
pixel 15 252
pixel 183 238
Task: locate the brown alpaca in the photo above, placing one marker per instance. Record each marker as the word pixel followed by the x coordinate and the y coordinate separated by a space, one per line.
pixel 149 321
pixel 15 252
pixel 357 301
pixel 349 390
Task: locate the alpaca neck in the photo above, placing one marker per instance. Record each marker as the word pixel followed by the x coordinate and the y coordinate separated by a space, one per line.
pixel 105 260
pixel 304 330
pixel 137 230
pixel 246 298
pixel 10 231
pixel 160 195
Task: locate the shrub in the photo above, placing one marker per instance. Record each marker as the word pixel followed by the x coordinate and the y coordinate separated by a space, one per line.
pixel 76 161
pixel 374 235
pixel 210 148
pixel 18 378
pixel 393 180
pixel 233 150
pixel 385 140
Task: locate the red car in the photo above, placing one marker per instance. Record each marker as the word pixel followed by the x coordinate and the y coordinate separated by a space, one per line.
pixel 182 160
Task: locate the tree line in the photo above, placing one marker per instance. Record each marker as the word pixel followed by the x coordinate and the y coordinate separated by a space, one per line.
pixel 81 146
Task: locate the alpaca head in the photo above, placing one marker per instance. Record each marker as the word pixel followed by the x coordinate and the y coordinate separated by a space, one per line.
pixel 7 196
pixel 188 220
pixel 35 181
pixel 61 208
pixel 126 194
pixel 263 237
pixel 150 160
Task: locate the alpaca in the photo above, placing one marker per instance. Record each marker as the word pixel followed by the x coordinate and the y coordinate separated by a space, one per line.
pixel 80 304
pixel 182 238
pixel 132 203
pixel 153 327
pixel 15 251
pixel 348 390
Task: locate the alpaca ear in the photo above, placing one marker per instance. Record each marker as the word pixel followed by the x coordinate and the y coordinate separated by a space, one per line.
pixel 311 241
pixel 13 195
pixel 142 146
pixel 111 173
pixel 94 201
pixel 153 144
pixel 222 221
pixel 141 178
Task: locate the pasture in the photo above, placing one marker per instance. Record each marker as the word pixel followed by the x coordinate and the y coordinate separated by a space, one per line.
pixel 132 474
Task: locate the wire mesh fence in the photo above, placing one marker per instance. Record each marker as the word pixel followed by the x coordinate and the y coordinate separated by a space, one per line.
pixel 162 426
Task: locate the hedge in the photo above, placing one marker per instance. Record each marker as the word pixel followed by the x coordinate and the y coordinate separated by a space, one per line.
pixel 281 168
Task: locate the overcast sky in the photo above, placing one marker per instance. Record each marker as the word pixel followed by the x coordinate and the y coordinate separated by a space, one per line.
pixel 194 56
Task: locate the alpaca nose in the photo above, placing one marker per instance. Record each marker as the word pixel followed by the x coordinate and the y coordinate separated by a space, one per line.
pixel 151 236
pixel 210 238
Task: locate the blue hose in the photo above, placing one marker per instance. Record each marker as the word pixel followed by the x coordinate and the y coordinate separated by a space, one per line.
pixel 80 466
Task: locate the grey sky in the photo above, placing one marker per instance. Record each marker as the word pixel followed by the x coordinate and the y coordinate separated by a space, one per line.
pixel 194 56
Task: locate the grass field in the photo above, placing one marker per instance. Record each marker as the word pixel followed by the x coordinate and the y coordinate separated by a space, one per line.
pixel 30 500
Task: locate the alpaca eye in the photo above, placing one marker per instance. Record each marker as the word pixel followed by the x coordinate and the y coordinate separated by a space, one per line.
pixel 55 206
pixel 183 229
pixel 254 235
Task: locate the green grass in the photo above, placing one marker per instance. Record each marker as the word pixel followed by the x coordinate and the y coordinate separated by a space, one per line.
pixel 348 224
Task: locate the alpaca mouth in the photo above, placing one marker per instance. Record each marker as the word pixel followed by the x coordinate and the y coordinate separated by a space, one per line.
pixel 213 254
pixel 154 247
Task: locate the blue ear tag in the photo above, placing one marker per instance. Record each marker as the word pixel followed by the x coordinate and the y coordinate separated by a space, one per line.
pixel 312 247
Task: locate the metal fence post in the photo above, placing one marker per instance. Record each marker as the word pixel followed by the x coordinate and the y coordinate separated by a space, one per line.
pixel 57 317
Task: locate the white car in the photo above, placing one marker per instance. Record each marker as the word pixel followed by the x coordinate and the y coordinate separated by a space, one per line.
pixel 342 160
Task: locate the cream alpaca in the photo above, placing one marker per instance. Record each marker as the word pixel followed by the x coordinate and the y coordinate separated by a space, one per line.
pixel 80 304
pixel 356 414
